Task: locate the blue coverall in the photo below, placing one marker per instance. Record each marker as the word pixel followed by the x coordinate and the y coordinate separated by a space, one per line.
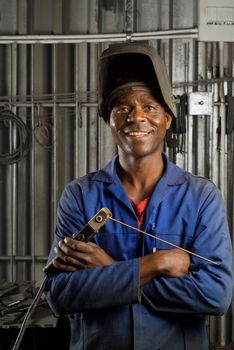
pixel 107 308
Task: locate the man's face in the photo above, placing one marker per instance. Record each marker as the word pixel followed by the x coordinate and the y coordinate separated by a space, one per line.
pixel 138 123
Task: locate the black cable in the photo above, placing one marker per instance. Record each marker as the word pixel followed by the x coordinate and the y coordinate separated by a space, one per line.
pixel 29 313
pixel 22 148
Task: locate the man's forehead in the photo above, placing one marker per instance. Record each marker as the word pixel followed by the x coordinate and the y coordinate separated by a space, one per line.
pixel 140 95
pixel 126 88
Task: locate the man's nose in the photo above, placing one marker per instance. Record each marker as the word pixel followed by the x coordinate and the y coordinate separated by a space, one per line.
pixel 137 113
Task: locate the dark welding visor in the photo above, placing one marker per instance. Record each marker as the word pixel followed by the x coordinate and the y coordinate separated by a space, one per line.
pixel 131 62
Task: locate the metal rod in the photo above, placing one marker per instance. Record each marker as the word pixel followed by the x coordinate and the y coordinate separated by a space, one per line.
pixel 160 37
pixel 222 324
pixel 11 171
pixel 67 98
pixel 93 122
pixel 14 54
pixel 215 118
pixel 166 242
pixel 77 111
pixel 129 16
pixel 24 258
pixel 223 123
pixel 65 104
pixel 167 32
pixel 9 178
pixel 96 38
pixel 190 120
pixel 32 166
pixel 54 154
pixel 82 85
pixel 50 105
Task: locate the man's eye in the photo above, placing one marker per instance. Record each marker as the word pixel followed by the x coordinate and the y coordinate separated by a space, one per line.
pixel 150 108
pixel 122 110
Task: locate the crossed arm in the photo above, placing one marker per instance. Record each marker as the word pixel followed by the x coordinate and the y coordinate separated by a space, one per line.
pixel 75 255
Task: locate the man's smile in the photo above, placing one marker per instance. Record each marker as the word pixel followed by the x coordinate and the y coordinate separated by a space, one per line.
pixel 137 134
pixel 133 132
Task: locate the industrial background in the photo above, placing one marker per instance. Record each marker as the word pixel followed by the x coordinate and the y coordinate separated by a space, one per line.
pixel 50 131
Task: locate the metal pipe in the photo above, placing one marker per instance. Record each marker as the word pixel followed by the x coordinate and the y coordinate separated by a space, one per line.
pixel 32 166
pixel 9 176
pixel 78 116
pixel 167 32
pixel 129 16
pixel 160 37
pixel 92 120
pixel 83 116
pixel 222 320
pixel 96 38
pixel 54 154
pixel 210 89
pixel 14 167
pixel 12 194
pixel 190 119
pixel 223 122
pixel 49 105
pixel 93 154
pixel 215 119
pixel 66 104
pixel 24 258
pixel 22 229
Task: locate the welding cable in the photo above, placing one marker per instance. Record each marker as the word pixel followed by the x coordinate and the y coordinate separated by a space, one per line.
pixel 7 119
pixel 29 313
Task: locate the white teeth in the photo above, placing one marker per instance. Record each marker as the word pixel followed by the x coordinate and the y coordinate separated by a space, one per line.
pixel 137 133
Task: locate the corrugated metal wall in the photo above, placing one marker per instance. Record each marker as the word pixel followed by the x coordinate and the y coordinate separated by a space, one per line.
pixel 48 65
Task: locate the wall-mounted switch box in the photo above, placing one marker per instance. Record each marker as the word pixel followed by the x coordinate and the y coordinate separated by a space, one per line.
pixel 216 20
pixel 200 103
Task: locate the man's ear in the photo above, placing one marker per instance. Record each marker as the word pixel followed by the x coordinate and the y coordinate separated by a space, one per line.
pixel 169 120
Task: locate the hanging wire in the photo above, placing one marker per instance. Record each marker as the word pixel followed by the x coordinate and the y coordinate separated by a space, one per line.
pixel 9 119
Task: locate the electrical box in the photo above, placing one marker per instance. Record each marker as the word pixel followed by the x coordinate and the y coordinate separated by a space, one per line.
pixel 200 103
pixel 216 20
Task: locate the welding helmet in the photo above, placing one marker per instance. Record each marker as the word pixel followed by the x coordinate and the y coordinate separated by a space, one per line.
pixel 124 63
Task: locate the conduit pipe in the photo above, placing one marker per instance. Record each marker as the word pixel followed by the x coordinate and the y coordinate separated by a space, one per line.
pixel 222 325
pixel 32 166
pixel 97 38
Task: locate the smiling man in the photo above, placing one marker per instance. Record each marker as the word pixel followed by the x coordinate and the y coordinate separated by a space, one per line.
pixel 126 290
pixel 138 123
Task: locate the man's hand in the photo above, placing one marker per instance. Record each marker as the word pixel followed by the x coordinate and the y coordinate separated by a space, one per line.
pixel 172 262
pixel 77 255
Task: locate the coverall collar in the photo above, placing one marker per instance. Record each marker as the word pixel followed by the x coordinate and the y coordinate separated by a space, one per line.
pixel 173 176
pixel 176 177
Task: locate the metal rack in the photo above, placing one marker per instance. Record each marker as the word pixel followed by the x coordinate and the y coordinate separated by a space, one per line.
pixel 49 80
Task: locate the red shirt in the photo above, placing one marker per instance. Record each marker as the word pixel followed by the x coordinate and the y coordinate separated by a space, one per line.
pixel 140 209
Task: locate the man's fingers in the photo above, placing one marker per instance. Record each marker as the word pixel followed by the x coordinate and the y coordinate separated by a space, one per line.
pixel 67 248
pixel 82 255
pixel 70 263
pixel 60 253
pixel 76 246
pixel 64 267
